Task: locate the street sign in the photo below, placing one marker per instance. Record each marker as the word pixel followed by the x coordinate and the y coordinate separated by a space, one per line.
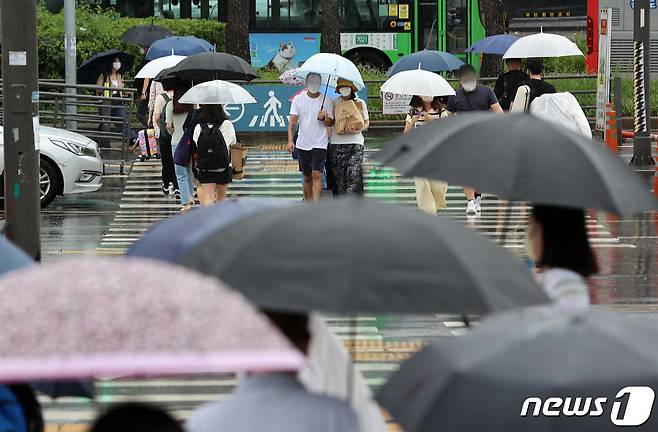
pixel 395 103
pixel 603 77
pixel 271 113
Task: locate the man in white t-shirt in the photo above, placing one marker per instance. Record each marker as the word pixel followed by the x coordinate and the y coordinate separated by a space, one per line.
pixel 314 115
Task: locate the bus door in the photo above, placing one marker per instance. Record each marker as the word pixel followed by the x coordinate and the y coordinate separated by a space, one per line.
pixel 427 25
pixel 456 14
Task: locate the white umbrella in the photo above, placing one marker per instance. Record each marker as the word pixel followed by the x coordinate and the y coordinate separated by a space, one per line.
pixel 418 82
pixel 543 45
pixel 154 67
pixel 217 92
pixel 331 67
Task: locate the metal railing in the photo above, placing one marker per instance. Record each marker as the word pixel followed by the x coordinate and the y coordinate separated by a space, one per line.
pixel 374 86
pixel 88 111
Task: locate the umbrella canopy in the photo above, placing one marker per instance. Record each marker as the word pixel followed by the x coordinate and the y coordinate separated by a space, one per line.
pixel 418 82
pixel 108 317
pixel 524 158
pixel 331 67
pixel 154 67
pixel 429 60
pixel 13 258
pixel 217 92
pixel 373 257
pixel 543 45
pixel 495 368
pixel 144 35
pixel 178 45
pixel 288 77
pixel 101 63
pixel 212 66
pixel 171 239
pixel 496 44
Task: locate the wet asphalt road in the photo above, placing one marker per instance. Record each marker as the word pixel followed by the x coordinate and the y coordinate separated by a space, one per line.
pixel 76 224
pixel 109 220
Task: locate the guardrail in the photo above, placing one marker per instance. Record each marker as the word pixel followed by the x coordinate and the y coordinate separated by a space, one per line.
pixel 88 111
pixel 374 101
pixel 109 119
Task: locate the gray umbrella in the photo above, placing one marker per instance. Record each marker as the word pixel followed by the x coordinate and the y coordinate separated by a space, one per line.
pixel 356 255
pixel 481 381
pixel 520 157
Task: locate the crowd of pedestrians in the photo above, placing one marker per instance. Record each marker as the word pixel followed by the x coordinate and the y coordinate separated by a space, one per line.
pixel 325 135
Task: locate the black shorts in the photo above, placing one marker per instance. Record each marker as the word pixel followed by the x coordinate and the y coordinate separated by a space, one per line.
pixel 312 160
pixel 220 178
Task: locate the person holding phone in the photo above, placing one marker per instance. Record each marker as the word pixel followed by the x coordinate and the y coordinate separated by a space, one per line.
pixel 430 194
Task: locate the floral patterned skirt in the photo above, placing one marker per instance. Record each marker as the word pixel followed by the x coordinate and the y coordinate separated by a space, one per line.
pixel 345 168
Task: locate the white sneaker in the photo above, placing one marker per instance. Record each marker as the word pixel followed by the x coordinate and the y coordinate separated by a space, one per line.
pixel 471 209
pixel 478 204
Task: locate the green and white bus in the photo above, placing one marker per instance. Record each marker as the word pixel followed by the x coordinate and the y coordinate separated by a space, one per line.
pixel 374 32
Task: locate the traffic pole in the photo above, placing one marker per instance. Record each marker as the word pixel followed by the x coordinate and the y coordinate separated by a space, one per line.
pixel 70 67
pixel 20 109
pixel 641 82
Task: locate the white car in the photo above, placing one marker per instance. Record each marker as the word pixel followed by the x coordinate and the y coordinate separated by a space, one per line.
pixel 70 163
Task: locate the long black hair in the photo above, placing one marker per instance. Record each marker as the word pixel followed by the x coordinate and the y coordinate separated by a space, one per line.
pixel 213 114
pixel 134 417
pixel 437 103
pixel 564 239
pixel 179 91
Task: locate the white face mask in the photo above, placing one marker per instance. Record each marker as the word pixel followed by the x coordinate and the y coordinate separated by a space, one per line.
pixel 427 99
pixel 345 91
pixel 117 65
pixel 469 86
pixel 313 87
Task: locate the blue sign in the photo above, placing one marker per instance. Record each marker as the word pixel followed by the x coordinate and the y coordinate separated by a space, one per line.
pixel 282 51
pixel 271 113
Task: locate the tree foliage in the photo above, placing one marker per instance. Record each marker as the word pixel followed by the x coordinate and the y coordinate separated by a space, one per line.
pixel 100 30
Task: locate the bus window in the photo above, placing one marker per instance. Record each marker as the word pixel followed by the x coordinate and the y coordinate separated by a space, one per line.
pixel 360 15
pixel 456 26
pixel 305 14
pixel 206 9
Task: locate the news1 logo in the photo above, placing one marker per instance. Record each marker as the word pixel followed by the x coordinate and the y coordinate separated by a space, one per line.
pixel 631 407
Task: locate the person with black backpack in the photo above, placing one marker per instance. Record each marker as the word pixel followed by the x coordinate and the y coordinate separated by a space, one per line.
pixel 213 136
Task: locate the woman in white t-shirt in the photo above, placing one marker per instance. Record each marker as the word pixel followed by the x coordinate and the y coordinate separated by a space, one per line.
pixel 557 242
pixel 345 155
pixel 214 183
pixel 430 194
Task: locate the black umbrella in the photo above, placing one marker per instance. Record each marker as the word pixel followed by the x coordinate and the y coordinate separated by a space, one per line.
pixel 520 157
pixel 211 66
pixel 482 381
pixel 57 389
pixel 144 35
pixel 100 63
pixel 355 255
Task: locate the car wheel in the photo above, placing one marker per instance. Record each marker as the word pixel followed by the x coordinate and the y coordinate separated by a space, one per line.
pixel 48 182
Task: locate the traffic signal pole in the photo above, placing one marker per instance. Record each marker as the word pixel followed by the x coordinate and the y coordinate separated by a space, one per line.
pixel 20 112
pixel 641 85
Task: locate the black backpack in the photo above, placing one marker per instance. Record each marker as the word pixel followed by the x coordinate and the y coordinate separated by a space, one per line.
pixel 213 154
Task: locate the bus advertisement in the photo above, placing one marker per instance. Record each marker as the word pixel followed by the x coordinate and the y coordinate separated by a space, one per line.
pixel 375 33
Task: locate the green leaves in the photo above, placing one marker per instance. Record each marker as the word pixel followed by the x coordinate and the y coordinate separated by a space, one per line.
pixel 100 30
